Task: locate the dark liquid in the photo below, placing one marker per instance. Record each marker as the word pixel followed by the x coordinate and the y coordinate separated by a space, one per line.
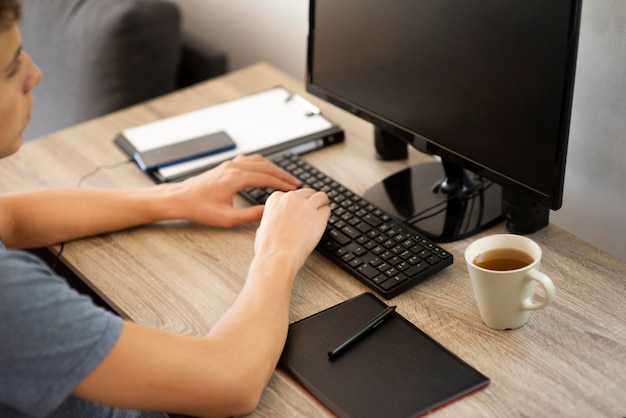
pixel 503 259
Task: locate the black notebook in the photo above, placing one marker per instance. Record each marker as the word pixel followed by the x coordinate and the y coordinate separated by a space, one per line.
pixel 396 370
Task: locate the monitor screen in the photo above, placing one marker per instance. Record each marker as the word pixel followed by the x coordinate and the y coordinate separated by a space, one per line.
pixel 485 84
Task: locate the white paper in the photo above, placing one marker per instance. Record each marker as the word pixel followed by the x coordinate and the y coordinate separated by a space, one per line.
pixel 254 122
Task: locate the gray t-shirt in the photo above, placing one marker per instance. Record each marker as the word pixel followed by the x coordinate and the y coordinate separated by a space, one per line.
pixel 51 338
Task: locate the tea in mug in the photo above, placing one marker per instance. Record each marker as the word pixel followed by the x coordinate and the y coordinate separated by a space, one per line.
pixel 503 259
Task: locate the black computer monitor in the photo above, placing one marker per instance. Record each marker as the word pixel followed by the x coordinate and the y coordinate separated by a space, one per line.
pixel 486 85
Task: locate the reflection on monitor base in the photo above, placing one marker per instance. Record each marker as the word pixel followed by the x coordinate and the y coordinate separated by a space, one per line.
pixel 443 212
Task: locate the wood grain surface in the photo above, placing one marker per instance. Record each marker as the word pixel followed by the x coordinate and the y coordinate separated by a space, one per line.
pixel 569 360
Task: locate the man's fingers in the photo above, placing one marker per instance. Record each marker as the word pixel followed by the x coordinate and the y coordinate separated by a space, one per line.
pixel 260 165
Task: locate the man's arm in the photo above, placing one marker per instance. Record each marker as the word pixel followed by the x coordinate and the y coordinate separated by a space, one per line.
pixel 44 217
pixel 225 372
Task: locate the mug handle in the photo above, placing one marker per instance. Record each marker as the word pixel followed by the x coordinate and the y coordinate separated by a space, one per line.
pixel 548 287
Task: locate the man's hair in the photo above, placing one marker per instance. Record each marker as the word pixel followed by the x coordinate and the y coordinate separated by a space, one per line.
pixel 9 13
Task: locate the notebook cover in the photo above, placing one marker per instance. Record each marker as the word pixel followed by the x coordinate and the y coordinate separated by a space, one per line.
pixel 395 371
pixel 266 122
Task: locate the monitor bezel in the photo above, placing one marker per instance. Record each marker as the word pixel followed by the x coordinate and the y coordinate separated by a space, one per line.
pixel 552 200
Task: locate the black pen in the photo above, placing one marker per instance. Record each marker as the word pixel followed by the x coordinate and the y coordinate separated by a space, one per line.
pixel 370 325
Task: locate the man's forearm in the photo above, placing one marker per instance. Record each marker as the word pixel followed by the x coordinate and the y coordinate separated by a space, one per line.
pixel 46 217
pixel 259 318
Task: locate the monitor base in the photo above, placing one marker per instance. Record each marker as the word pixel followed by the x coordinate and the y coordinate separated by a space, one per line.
pixel 444 209
pixel 524 215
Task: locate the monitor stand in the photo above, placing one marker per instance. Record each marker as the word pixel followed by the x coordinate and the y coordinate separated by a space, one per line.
pixel 443 201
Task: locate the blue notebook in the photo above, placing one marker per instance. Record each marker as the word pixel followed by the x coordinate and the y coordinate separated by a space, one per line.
pixel 394 371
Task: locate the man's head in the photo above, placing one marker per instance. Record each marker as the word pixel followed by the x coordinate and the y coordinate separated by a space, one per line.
pixel 18 76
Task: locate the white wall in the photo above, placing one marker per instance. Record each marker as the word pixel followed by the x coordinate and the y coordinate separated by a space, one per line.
pixel 594 206
pixel 595 191
pixel 252 30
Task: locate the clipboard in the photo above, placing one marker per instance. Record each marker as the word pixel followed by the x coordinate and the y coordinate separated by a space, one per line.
pixel 267 122
pixel 395 371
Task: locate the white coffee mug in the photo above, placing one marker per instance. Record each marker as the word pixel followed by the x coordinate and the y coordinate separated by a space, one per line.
pixel 505 297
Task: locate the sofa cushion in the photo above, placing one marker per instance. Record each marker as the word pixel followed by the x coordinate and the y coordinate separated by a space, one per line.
pixel 98 56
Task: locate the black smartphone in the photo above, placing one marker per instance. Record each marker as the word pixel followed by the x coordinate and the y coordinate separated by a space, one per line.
pixel 184 151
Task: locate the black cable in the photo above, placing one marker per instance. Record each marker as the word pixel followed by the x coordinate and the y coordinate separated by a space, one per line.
pixel 56 258
pixel 475 191
pixel 79 184
pixel 101 167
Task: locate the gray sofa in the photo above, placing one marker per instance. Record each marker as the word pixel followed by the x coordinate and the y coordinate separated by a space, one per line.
pixel 98 56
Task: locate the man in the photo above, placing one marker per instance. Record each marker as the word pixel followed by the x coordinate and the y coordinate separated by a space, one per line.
pixel 60 356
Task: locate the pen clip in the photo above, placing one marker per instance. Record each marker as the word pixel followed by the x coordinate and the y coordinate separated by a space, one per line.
pixel 311 110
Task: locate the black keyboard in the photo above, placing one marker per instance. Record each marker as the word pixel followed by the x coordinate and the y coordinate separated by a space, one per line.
pixel 377 249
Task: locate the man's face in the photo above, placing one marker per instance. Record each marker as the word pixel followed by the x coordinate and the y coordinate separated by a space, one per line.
pixel 18 76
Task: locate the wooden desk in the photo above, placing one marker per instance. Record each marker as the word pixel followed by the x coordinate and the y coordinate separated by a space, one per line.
pixel 569 360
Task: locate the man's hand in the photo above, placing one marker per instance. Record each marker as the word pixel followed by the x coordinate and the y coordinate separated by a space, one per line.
pixel 208 197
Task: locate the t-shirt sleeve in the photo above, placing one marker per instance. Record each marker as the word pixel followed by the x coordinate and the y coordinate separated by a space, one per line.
pixel 51 336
